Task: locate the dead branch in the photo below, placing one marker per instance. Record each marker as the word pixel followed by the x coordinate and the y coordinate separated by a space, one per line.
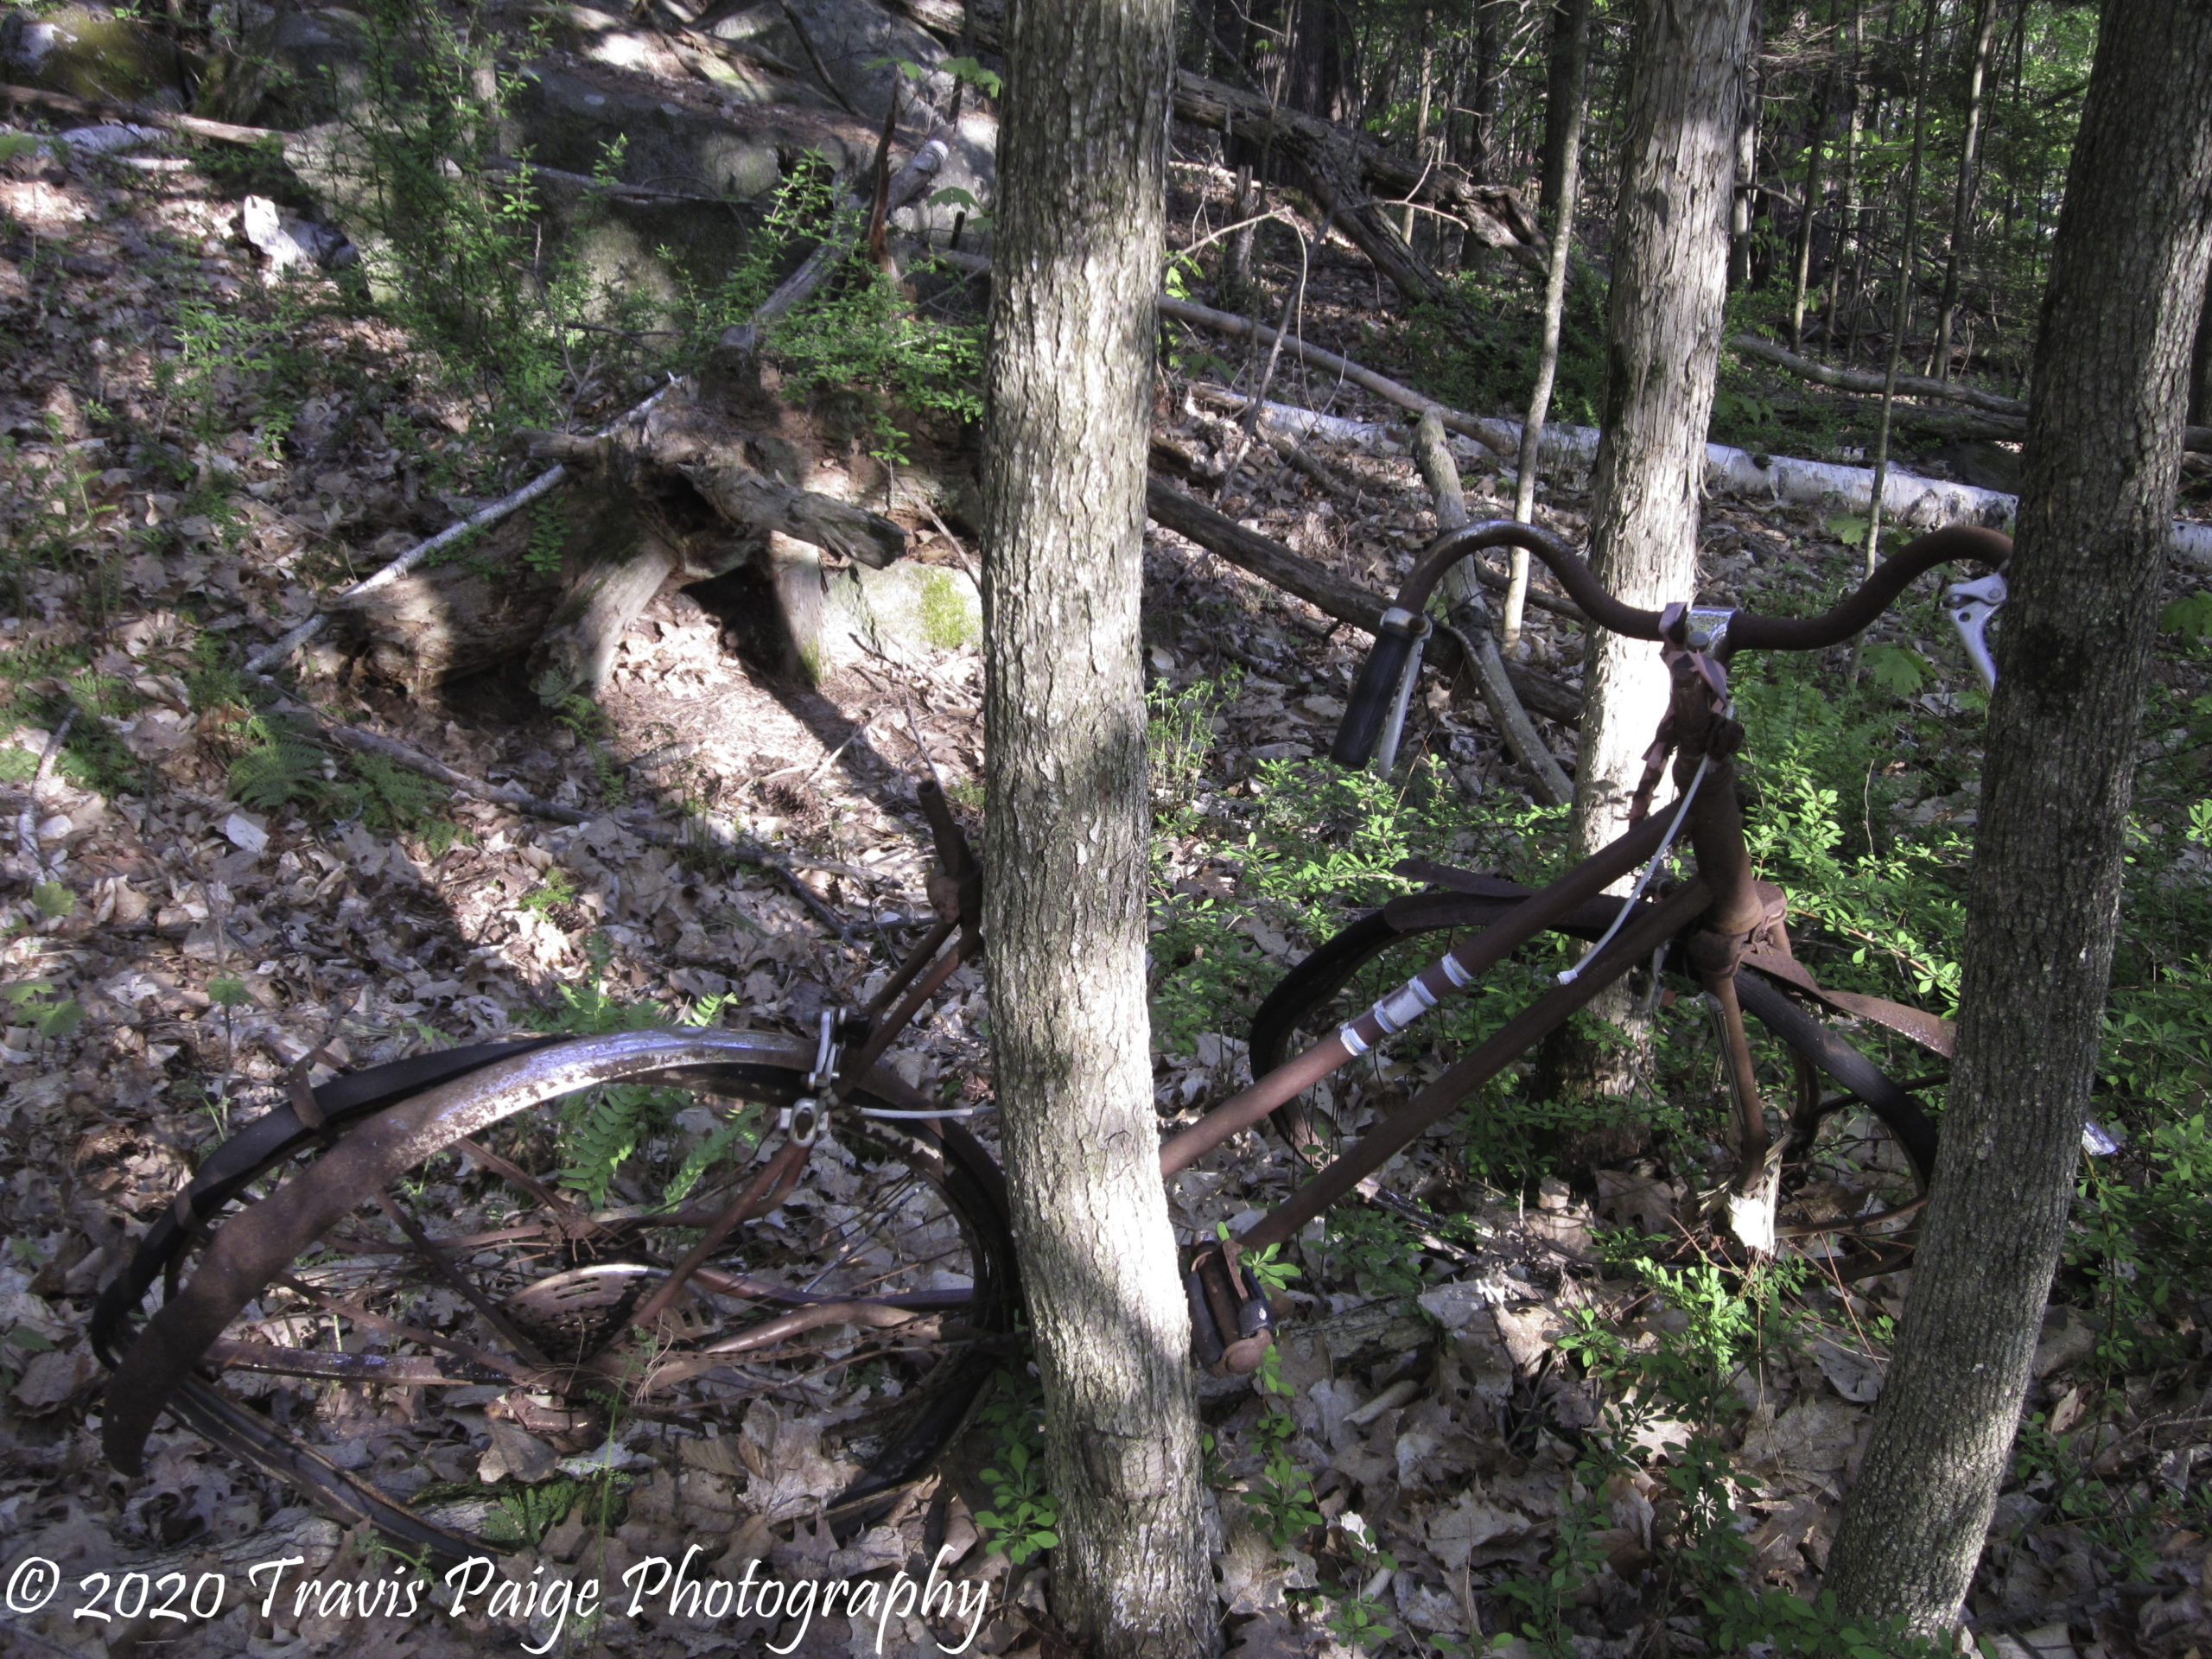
pixel 1500 437
pixel 1324 590
pixel 1860 380
pixel 1348 171
pixel 2197 439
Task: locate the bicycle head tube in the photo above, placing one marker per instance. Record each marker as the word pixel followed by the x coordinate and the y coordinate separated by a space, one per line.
pixel 1376 687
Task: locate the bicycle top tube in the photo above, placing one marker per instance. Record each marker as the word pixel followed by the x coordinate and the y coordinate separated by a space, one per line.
pixel 1744 630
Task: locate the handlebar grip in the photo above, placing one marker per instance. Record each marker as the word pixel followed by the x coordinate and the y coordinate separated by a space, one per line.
pixel 1371 694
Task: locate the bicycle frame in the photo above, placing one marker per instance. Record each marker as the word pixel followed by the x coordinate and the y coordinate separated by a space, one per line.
pixel 1723 917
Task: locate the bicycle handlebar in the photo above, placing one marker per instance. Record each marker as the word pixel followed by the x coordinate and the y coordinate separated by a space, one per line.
pixel 1394 640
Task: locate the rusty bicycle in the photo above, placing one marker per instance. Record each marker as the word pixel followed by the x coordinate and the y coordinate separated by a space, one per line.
pixel 840 1247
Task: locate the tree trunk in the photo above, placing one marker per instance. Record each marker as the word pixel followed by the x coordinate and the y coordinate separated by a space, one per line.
pixel 1540 399
pixel 1747 162
pixel 1081 235
pixel 1985 37
pixel 1846 216
pixel 1563 94
pixel 1316 85
pixel 1670 274
pixel 1901 318
pixel 1482 119
pixel 1802 273
pixel 2200 366
pixel 1427 88
pixel 1670 254
pixel 2073 652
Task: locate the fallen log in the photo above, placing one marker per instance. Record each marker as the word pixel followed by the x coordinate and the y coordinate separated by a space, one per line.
pixel 463 626
pixel 1471 618
pixel 1489 434
pixel 2196 438
pixel 1349 169
pixel 1327 592
pixel 1908 501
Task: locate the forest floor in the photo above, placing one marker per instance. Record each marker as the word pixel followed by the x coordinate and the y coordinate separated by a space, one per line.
pixel 1451 1406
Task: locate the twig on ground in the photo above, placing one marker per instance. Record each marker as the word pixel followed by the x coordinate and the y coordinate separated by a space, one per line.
pixel 26 820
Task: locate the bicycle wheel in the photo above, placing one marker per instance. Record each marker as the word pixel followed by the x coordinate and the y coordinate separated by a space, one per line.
pixel 866 1293
pixel 1857 1161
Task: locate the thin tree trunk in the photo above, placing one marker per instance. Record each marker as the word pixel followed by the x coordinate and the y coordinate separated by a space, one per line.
pixel 1847 218
pixel 2074 656
pixel 1540 400
pixel 1747 166
pixel 1816 148
pixel 1068 384
pixel 1902 317
pixel 1565 85
pixel 1420 107
pixel 1985 37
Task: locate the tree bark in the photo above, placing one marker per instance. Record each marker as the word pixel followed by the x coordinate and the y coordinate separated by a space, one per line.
pixel 2128 276
pixel 1670 254
pixel 1316 75
pixel 1068 384
pixel 2200 373
pixel 1563 89
pixel 1670 277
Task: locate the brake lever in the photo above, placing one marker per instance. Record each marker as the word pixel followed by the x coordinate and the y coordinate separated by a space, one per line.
pixel 1971 604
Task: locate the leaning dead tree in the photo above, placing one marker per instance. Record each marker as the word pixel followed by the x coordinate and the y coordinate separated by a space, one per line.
pixel 1352 174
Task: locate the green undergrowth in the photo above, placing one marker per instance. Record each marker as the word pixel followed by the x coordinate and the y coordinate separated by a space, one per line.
pixel 629 1131
pixel 1862 803
pixel 855 347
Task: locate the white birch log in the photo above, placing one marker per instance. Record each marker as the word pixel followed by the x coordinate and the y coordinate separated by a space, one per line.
pixel 1908 500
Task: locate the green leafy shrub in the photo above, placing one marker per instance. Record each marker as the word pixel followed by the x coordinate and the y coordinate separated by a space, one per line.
pixel 451 243
pixel 853 342
pixel 1023 1517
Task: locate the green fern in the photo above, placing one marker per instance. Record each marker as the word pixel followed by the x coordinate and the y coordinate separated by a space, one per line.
pixel 549 535
pixel 385 796
pixel 279 766
pixel 741 1133
pixel 599 1131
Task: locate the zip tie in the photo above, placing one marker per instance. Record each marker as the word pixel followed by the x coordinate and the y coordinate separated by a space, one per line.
pixel 1568 976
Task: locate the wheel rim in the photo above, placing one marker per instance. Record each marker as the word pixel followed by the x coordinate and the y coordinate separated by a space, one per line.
pixel 872 1296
